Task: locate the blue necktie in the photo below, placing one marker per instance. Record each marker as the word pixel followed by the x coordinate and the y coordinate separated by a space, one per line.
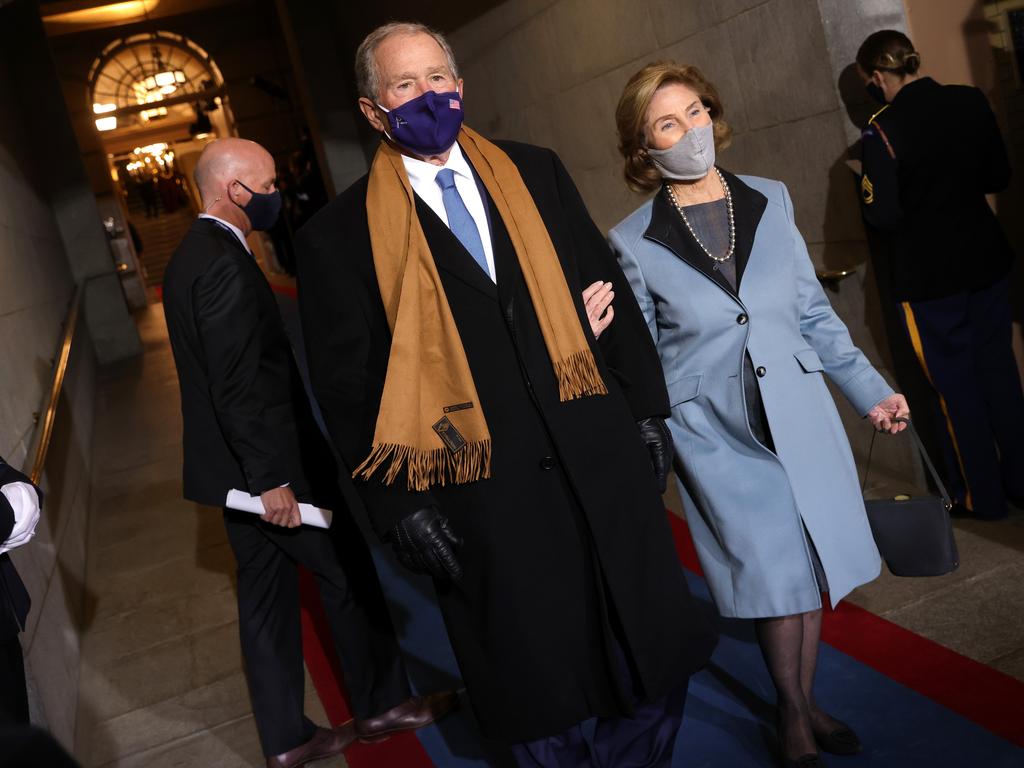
pixel 459 221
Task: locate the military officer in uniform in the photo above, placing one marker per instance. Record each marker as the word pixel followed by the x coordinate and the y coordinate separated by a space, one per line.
pixel 930 156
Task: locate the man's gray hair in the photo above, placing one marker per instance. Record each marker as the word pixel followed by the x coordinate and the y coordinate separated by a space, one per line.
pixel 367 75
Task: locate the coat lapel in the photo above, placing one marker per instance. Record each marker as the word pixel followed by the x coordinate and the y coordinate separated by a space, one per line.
pixel 667 229
pixel 747 208
pixel 449 254
pixel 506 262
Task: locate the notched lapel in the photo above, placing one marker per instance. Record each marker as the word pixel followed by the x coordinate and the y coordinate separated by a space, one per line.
pixel 667 229
pixel 747 209
pixel 449 254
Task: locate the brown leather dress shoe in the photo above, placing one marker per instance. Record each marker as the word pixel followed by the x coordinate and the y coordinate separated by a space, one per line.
pixel 325 743
pixel 411 714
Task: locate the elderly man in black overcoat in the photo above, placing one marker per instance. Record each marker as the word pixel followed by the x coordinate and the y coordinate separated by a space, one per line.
pixel 533 501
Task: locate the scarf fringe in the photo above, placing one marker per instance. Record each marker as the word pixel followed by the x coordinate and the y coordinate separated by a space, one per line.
pixel 426 468
pixel 578 376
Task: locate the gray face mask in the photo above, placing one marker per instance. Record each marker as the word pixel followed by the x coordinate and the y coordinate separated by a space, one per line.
pixel 690 158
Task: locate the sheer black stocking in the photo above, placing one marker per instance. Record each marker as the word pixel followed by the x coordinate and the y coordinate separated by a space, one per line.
pixel 782 645
pixel 821 723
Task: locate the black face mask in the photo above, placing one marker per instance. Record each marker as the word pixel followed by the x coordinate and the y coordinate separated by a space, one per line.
pixel 875 92
pixel 262 209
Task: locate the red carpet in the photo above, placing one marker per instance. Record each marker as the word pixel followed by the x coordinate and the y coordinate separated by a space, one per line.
pixel 976 692
pixel 991 699
pixel 403 749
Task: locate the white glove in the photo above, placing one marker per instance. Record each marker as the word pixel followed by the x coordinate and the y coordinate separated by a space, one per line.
pixel 25 502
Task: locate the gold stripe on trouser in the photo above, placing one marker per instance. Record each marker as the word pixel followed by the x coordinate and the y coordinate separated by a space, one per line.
pixel 915 341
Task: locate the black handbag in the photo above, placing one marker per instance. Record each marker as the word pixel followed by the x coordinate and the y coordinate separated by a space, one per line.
pixel 914 533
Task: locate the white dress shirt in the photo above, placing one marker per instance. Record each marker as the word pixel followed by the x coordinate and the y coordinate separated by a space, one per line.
pixel 230 226
pixel 422 176
pixel 25 502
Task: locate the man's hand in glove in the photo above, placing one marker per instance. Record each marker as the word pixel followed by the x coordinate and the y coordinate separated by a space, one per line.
pixel 424 543
pixel 655 434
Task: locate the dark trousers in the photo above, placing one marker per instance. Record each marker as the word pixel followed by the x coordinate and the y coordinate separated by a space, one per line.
pixel 270 626
pixel 963 344
pixel 13 693
pixel 646 740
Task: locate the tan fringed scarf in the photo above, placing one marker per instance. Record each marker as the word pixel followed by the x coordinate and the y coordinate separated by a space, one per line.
pixel 430 418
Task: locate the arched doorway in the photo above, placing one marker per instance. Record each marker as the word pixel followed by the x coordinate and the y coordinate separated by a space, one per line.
pixel 157 98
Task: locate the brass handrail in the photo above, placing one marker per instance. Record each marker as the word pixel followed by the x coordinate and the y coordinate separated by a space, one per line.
pixel 60 367
pixel 831 278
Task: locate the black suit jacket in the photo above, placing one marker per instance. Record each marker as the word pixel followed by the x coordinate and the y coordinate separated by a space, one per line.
pixel 14 599
pixel 247 419
pixel 926 197
pixel 571 516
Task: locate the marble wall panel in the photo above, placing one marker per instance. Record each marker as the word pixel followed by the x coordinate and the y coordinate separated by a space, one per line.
pixel 472 41
pixel 583 124
pixel 781 61
pixel 594 38
pixel 608 198
pixel 802 154
pixel 52 565
pixel 53 662
pixel 729 8
pixel 674 21
pixel 711 52
pixel 523 66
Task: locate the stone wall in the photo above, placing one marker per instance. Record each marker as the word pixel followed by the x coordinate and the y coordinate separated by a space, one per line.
pixel 36 286
pixel 36 111
pixel 550 72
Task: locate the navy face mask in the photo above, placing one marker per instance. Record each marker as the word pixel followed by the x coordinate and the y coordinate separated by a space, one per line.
pixel 427 125
pixel 262 209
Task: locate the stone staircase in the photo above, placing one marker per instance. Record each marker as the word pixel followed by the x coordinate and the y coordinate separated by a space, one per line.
pixel 160 235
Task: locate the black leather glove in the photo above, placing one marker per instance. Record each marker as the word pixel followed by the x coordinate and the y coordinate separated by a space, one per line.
pixel 425 543
pixel 654 432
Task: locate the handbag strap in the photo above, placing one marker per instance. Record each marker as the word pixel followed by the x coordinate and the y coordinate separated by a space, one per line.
pixel 924 455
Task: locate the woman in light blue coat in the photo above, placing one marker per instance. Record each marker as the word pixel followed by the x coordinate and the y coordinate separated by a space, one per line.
pixel 745 334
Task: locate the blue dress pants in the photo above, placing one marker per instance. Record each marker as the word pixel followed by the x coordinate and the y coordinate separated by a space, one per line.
pixel 964 346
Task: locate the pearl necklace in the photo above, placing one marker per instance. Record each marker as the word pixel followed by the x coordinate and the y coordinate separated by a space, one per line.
pixel 732 223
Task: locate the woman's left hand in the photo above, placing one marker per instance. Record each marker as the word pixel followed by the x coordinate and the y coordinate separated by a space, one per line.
pixel 598 300
pixel 883 416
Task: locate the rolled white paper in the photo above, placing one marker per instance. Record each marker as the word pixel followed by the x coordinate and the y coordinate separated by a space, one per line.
pixel 311 514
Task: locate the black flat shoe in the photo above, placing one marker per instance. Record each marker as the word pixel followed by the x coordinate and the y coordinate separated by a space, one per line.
pixel 810 760
pixel 842 741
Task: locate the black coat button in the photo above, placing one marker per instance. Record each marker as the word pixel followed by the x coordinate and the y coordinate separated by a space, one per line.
pixel 741 319
pixel 547 463
pixel 761 371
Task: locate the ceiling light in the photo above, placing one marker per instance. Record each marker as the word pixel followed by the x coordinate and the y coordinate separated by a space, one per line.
pixel 106 123
pixel 105 13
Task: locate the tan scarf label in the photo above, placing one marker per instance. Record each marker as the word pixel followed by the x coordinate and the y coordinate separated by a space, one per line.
pixel 430 419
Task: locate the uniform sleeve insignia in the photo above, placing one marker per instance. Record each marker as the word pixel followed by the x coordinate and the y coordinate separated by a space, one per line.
pixel 867 190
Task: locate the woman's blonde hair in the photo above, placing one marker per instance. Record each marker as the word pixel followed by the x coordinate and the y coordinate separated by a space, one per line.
pixel 640 173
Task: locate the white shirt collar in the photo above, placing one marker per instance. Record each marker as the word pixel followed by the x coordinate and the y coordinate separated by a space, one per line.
pixel 232 227
pixel 421 172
